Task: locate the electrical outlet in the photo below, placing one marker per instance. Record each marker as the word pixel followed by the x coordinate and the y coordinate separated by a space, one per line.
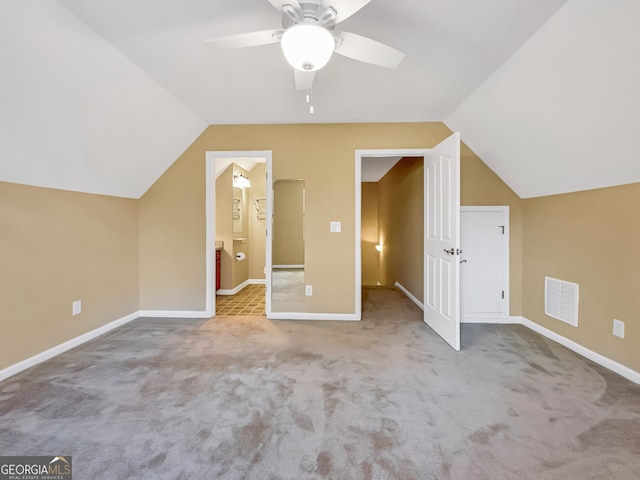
pixel 308 290
pixel 335 227
pixel 76 307
pixel 618 328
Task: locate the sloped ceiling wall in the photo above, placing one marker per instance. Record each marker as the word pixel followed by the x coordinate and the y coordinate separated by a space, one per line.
pixel 559 115
pixel 78 115
pixel 562 114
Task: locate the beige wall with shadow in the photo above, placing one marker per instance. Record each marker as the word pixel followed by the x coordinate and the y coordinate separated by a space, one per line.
pixel 257 226
pixel 172 272
pixel 122 255
pixel 590 238
pixel 401 225
pixel 57 247
pixel 369 235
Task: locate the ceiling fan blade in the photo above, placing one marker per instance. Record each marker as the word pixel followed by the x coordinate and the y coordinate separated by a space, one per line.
pixel 304 80
pixel 278 4
pixel 252 39
pixel 367 50
pixel 345 8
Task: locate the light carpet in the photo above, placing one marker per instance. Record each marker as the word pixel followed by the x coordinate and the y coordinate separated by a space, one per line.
pixel 385 398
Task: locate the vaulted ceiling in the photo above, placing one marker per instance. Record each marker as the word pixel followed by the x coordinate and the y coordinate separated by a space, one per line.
pixel 103 96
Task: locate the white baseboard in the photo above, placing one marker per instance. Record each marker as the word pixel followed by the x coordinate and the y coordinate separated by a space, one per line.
pixel 174 313
pixel 234 290
pixel 350 317
pixel 584 351
pixel 274 267
pixel 410 295
pixel 494 320
pixel 63 347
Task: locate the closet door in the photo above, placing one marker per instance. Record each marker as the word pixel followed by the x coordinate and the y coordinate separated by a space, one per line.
pixel 484 267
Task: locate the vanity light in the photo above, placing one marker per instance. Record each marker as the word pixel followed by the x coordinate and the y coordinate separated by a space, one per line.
pixel 239 180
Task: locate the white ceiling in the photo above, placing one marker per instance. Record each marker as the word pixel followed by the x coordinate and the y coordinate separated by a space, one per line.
pixel 103 95
pixel 374 168
pixel 451 47
pixel 221 164
pixel 563 113
pixel 75 113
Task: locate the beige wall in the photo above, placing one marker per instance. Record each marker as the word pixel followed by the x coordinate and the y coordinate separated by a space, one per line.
pixel 288 222
pixel 479 186
pixel 369 233
pixel 240 267
pixel 401 225
pixel 257 226
pixel 241 242
pixel 172 264
pixel 172 212
pixel 590 238
pixel 57 247
pixel 224 226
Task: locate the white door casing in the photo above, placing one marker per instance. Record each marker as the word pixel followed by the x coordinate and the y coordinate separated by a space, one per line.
pixel 442 240
pixel 484 273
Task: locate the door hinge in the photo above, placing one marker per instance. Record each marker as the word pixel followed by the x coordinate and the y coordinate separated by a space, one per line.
pixel 502 293
pixel 502 227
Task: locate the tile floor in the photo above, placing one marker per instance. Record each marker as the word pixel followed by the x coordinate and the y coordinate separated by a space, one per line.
pixel 248 301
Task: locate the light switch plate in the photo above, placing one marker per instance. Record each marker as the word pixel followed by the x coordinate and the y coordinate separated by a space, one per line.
pixel 308 290
pixel 335 227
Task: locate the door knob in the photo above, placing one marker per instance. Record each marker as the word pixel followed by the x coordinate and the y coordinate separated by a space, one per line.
pixel 450 252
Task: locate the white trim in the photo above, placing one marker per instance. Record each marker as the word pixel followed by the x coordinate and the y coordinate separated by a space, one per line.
pixel 504 209
pixel 378 152
pixel 174 313
pixel 287 266
pixel 410 295
pixel 210 188
pixel 491 319
pixel 210 236
pixel 584 351
pixel 312 316
pixel 63 347
pixel 234 290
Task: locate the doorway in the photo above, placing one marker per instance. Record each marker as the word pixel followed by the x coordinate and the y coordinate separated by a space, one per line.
pixel 373 247
pixel 238 257
pixel 441 234
pixel 392 223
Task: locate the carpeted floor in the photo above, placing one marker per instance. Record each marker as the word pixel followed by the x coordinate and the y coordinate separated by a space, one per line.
pixel 385 398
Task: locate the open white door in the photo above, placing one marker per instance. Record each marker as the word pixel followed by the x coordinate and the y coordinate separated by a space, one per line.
pixel 442 239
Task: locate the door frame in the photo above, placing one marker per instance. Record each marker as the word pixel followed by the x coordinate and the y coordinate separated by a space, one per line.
pixel 489 317
pixel 210 188
pixel 389 152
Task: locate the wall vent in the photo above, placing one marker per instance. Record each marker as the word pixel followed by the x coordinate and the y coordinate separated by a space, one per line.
pixel 561 300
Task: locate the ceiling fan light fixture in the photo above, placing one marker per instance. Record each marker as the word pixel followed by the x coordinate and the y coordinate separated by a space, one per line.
pixel 307 47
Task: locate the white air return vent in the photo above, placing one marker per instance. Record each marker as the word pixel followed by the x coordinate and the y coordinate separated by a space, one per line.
pixel 561 300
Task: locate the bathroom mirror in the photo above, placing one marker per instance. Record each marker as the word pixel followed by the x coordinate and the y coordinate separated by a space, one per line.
pixel 238 207
pixel 287 276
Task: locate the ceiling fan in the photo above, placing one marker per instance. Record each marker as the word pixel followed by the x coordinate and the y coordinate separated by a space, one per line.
pixel 308 37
